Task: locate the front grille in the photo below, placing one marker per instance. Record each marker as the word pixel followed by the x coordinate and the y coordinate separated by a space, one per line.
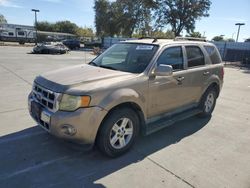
pixel 44 124
pixel 45 97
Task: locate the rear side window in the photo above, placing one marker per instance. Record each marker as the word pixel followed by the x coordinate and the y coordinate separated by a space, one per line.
pixel 213 54
pixel 172 56
pixel 195 57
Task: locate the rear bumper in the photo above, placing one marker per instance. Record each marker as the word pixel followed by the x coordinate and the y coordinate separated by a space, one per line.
pixel 79 126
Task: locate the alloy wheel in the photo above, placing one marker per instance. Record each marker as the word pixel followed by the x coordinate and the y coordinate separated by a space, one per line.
pixel 121 133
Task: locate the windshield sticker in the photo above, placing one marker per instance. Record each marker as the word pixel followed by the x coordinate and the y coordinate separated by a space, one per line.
pixel 144 47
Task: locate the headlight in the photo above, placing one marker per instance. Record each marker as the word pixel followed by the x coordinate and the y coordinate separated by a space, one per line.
pixel 71 103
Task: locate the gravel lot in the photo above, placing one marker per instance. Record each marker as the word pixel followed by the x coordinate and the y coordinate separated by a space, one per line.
pixel 193 153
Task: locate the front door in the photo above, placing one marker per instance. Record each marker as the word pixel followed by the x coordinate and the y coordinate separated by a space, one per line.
pixel 168 93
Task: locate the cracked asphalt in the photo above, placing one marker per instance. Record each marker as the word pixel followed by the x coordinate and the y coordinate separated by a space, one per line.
pixel 207 153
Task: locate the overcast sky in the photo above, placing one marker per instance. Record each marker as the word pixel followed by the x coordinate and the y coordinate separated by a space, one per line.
pixel 223 14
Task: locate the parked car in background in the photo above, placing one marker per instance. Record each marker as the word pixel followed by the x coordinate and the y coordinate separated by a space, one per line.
pixel 50 48
pixel 93 44
pixel 72 44
pixel 138 86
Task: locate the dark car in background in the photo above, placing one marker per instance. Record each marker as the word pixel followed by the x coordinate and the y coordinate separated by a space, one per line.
pixel 72 44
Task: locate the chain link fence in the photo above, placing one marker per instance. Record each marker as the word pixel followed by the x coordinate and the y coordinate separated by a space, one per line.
pixel 234 52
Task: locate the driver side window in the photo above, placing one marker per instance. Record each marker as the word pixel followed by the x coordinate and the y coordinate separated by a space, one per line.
pixel 172 56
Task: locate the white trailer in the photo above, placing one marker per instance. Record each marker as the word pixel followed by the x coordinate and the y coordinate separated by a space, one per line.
pixel 17 33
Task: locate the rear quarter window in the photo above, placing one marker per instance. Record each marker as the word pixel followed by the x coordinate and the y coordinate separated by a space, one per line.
pixel 213 54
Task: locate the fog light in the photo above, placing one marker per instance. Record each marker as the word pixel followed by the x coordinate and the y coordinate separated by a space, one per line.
pixel 68 130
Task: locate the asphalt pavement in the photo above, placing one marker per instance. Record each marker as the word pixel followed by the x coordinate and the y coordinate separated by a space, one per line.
pixel 212 152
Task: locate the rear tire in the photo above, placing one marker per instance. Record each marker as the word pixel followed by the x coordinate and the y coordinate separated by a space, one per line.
pixel 208 102
pixel 118 132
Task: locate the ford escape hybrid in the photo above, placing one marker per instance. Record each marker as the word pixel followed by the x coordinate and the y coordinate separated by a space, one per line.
pixel 134 87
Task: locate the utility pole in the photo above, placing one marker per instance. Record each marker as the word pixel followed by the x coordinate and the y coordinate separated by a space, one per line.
pixel 204 33
pixel 35 10
pixel 239 25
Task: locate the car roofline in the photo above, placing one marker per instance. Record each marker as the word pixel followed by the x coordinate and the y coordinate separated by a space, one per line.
pixel 164 42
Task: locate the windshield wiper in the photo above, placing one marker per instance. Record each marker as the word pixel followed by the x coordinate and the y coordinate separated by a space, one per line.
pixel 107 67
pixel 93 63
pixel 102 66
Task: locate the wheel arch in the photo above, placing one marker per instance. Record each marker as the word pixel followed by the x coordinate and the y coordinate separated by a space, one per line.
pixel 214 85
pixel 131 105
pixel 215 82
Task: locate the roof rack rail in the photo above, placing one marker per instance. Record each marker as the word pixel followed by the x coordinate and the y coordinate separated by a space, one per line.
pixel 146 38
pixel 153 38
pixel 203 39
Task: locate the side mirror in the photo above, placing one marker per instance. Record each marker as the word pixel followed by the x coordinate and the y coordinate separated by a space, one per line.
pixel 163 70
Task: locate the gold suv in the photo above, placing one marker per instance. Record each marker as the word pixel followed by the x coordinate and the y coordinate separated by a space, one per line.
pixel 137 86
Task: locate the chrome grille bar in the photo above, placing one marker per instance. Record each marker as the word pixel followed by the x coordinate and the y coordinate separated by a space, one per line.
pixel 45 97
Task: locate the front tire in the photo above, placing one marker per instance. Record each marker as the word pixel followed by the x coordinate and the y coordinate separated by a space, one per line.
pixel 208 102
pixel 118 132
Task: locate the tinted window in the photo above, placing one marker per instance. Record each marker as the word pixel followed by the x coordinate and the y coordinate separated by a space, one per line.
pixel 172 56
pixel 195 56
pixel 213 54
pixel 20 33
pixel 11 34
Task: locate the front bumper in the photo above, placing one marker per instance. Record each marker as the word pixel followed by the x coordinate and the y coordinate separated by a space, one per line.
pixel 84 122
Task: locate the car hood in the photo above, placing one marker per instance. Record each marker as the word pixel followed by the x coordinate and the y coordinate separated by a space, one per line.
pixel 79 76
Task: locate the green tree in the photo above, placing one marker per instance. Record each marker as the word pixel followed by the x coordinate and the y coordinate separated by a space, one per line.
pixel 123 17
pixel 157 34
pixel 103 21
pixel 2 19
pixel 218 38
pixel 85 32
pixel 60 26
pixel 165 35
pixel 135 16
pixel 181 14
pixel 66 27
pixel 195 34
pixel 45 26
pixel 170 34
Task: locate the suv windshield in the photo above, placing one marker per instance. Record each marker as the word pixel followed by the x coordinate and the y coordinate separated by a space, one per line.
pixel 127 57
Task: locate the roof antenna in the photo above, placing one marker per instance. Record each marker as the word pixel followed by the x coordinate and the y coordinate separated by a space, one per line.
pixel 155 40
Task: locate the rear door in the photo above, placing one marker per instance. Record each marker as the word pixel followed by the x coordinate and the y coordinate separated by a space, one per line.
pixel 197 72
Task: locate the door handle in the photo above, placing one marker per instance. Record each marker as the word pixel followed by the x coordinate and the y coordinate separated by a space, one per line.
pixel 180 79
pixel 206 73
